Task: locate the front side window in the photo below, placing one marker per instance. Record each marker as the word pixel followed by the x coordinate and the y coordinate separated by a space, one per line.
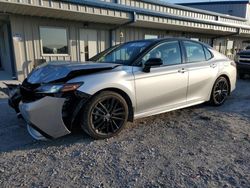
pixel 194 52
pixel 125 53
pixel 54 40
pixel 168 52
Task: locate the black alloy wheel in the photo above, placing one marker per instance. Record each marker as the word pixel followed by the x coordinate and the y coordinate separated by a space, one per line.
pixel 220 91
pixel 105 115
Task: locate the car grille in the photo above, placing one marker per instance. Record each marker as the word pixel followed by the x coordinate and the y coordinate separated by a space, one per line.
pixel 244 59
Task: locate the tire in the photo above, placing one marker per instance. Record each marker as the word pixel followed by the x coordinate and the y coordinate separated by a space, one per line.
pixel 220 92
pixel 105 115
pixel 241 76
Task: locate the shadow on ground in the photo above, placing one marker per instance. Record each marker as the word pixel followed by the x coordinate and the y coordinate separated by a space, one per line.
pixel 15 136
pixel 21 140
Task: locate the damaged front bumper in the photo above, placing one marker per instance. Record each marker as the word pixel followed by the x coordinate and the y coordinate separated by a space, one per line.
pixel 44 118
pixel 48 116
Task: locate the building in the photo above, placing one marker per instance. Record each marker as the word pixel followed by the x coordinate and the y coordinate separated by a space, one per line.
pixel 240 8
pixel 75 30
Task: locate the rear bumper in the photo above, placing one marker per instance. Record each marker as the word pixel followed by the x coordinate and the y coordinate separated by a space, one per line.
pixel 45 117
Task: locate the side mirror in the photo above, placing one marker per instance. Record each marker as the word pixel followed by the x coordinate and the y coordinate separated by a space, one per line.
pixel 151 63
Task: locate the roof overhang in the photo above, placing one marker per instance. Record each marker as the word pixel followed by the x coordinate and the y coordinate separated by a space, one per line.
pixel 184 29
pixel 110 13
pixel 184 7
pixel 185 26
pixel 66 11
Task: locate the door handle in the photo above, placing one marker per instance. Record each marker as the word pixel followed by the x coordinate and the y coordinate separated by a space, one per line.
pixel 183 70
pixel 213 65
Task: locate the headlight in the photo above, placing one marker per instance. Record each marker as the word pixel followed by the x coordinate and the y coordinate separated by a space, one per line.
pixel 56 88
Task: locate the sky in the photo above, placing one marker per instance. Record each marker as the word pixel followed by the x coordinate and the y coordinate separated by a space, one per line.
pixel 185 1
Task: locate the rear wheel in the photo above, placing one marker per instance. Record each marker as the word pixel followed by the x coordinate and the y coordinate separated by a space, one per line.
pixel 105 115
pixel 220 91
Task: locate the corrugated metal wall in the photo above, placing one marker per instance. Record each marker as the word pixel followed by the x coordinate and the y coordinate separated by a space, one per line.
pixel 27 45
pixel 164 8
pixel 132 33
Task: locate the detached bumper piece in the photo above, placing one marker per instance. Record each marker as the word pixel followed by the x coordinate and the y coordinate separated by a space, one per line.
pixel 14 96
pixel 44 118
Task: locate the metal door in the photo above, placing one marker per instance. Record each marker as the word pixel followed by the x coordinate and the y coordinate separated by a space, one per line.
pixel 88 44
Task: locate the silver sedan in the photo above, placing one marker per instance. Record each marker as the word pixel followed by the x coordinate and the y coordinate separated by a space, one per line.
pixel 129 81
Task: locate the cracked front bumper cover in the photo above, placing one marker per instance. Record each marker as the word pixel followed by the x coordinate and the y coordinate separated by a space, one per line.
pixel 45 116
pixel 36 134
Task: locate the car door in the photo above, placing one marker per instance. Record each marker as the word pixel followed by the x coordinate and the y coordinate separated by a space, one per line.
pixel 202 71
pixel 164 87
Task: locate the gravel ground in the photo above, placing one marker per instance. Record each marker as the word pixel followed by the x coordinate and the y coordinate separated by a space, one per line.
pixel 201 146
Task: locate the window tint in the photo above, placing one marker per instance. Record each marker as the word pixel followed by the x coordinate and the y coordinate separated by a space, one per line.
pixel 54 40
pixel 194 51
pixel 169 52
pixel 208 54
pixel 124 53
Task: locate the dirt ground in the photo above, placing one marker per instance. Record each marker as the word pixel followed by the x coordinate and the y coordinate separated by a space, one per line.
pixel 201 146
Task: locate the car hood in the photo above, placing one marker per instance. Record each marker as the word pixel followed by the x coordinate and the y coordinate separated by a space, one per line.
pixel 63 71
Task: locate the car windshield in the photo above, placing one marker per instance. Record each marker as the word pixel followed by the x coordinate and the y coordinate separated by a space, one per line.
pixel 123 54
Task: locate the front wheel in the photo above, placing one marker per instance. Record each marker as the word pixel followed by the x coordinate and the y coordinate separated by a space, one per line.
pixel 105 115
pixel 220 91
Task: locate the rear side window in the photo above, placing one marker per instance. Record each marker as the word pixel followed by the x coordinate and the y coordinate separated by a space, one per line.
pixel 208 54
pixel 194 52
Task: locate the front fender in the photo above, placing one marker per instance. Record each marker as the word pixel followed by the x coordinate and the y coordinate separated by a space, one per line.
pixel 96 88
pixel 116 80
